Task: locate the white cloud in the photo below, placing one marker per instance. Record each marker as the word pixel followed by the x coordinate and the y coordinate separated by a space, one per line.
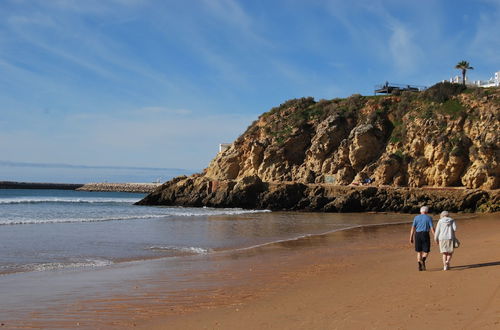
pixel 404 50
pixel 69 38
pixel 486 43
pixel 389 39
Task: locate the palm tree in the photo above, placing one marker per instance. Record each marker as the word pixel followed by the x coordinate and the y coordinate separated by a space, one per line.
pixel 464 66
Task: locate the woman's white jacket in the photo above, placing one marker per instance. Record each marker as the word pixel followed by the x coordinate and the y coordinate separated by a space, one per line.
pixel 445 229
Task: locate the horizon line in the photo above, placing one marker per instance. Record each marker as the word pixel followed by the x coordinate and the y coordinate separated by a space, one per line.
pixel 62 165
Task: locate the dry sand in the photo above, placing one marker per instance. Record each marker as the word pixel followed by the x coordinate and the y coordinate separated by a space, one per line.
pixel 371 282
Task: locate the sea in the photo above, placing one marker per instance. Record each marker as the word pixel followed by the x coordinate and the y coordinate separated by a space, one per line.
pixel 47 230
pixel 96 260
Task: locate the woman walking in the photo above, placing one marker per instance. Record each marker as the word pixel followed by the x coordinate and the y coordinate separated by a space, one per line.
pixel 444 236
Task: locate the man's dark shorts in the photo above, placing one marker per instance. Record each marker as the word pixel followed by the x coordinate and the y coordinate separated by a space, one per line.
pixel 422 241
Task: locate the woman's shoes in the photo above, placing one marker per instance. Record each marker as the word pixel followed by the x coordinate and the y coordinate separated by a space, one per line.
pixel 446 266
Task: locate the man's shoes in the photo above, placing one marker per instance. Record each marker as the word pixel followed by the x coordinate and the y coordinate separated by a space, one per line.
pixel 420 266
pixel 423 265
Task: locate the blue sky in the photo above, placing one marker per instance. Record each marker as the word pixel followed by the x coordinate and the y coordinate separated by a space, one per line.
pixel 154 83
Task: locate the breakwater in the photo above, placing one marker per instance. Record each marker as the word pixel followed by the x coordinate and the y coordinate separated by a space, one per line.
pixel 120 187
pixel 39 185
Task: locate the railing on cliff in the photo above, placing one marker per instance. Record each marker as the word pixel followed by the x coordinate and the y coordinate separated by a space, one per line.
pixel 390 88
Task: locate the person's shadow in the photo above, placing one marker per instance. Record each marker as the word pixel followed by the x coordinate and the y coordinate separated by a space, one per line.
pixel 486 264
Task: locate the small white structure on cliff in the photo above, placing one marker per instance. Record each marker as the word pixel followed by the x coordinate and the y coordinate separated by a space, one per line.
pixel 492 82
pixel 224 146
pixel 458 80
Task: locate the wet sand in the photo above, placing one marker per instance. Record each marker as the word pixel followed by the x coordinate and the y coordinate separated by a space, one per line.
pixel 355 279
pixel 372 283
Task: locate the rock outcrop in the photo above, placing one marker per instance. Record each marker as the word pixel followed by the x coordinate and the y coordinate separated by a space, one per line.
pixel 298 154
pixel 253 193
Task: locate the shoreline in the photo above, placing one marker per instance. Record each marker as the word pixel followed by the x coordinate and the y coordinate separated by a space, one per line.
pixel 293 284
pixel 290 241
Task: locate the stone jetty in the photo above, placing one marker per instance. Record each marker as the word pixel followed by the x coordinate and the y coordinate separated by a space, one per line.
pixel 122 187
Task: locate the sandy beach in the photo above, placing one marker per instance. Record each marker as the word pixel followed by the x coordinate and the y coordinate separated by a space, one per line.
pixel 370 283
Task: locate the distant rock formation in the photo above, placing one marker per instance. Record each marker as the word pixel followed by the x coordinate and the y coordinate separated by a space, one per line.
pixel 443 137
pixel 39 185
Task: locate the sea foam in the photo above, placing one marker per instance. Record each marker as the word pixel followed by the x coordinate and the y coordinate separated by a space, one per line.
pixel 47 266
pixel 183 249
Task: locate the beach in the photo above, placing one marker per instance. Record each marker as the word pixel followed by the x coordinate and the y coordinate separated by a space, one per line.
pixel 358 278
pixel 372 284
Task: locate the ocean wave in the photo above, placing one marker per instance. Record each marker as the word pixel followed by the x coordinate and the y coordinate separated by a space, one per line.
pixel 205 211
pixel 65 220
pixel 133 214
pixel 183 249
pixel 67 200
pixel 40 267
pixel 88 263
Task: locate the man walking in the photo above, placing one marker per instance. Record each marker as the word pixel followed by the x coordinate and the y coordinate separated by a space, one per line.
pixel 419 234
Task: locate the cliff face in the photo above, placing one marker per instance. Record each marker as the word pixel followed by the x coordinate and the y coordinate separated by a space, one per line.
pixel 443 137
pixel 408 140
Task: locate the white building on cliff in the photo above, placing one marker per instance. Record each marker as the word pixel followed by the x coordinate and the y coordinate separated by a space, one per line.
pixel 492 82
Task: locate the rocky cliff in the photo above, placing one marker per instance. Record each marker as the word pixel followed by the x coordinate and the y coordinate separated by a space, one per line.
pixel 447 136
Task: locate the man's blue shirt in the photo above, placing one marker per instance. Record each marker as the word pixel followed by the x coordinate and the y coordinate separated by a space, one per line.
pixel 422 222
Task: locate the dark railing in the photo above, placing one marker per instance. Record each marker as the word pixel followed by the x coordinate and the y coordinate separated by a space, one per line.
pixel 389 88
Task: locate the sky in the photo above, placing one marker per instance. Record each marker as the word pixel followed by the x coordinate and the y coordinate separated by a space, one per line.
pixel 160 83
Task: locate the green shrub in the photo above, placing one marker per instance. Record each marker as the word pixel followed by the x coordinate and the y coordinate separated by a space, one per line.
pixel 302 115
pixel 282 135
pixel 453 108
pixel 398 133
pixel 427 111
pixel 405 105
pixel 442 92
pixel 298 104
